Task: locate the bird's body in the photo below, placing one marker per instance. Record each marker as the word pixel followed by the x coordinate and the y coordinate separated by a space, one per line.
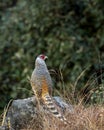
pixel 39 76
pixel 42 86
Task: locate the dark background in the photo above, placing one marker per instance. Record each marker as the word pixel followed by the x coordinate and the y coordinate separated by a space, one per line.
pixel 69 32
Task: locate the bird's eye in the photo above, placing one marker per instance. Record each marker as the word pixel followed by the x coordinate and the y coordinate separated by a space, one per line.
pixel 42 56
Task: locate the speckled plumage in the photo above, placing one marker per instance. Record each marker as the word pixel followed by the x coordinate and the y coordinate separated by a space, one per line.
pixel 42 86
pixel 39 74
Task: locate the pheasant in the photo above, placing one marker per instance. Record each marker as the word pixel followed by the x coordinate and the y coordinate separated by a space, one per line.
pixel 41 83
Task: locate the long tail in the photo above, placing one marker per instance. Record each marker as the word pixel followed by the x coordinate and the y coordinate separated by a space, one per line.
pixel 50 105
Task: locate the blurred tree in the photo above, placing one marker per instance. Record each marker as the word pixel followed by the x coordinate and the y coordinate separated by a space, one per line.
pixel 69 32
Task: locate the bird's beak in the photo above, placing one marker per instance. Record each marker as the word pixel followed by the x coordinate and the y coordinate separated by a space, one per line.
pixel 45 57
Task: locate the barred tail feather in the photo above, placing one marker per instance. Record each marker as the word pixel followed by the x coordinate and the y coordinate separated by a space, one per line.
pixel 50 105
pixel 49 102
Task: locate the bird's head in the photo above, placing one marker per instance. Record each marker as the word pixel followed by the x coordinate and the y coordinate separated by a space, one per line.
pixel 42 57
pixel 40 60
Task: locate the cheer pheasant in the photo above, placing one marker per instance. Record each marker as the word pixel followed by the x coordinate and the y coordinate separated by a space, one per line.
pixel 42 86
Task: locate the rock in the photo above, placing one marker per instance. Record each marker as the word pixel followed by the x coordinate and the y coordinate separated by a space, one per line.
pixel 63 105
pixel 24 113
pixel 3 128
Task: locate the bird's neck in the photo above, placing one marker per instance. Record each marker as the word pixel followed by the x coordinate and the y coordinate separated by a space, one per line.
pixel 40 64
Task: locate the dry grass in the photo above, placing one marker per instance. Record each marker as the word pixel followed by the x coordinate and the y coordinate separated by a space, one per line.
pixel 83 118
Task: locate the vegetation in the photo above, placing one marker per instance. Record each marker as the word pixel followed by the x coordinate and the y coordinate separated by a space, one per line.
pixel 82 118
pixel 69 32
pixel 91 118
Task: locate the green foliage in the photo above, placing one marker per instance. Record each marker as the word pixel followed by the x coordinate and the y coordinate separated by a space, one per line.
pixel 69 32
pixel 98 95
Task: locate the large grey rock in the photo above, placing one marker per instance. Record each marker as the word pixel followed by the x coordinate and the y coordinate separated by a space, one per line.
pixel 3 128
pixel 24 113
